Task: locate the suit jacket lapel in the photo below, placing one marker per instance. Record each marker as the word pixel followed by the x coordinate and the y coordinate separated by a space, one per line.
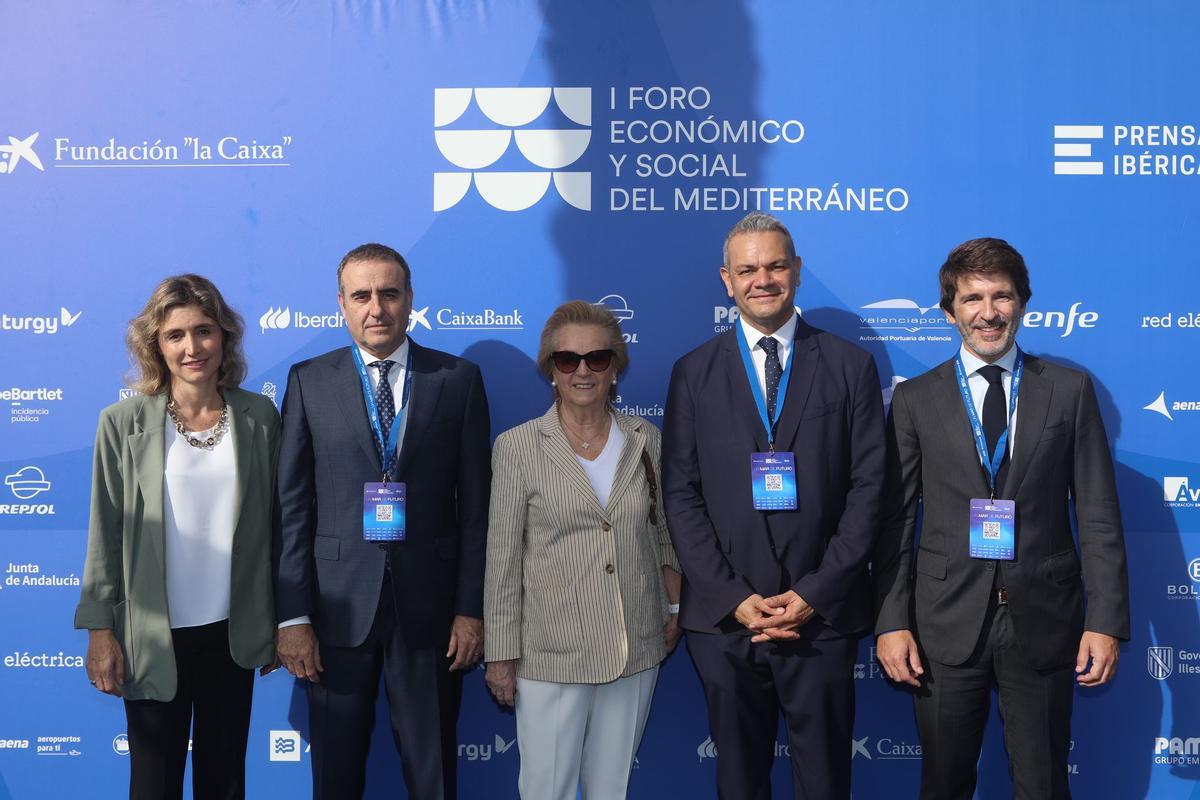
pixel 1033 405
pixel 805 357
pixel 558 450
pixel 743 410
pixel 427 385
pixel 948 405
pixel 243 427
pixel 146 448
pixel 629 466
pixel 347 387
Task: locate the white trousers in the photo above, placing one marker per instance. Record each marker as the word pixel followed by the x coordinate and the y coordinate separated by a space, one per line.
pixel 580 735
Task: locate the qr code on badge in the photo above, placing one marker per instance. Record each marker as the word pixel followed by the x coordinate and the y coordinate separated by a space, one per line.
pixel 991 530
pixel 383 513
pixel 774 482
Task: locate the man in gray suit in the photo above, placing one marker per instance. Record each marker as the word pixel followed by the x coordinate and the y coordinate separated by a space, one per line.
pixel 998 444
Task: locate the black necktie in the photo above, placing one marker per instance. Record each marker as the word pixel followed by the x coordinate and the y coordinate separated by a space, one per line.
pixel 384 402
pixel 995 416
pixel 773 372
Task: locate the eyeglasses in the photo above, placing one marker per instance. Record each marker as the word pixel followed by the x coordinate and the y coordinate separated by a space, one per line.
pixel 567 362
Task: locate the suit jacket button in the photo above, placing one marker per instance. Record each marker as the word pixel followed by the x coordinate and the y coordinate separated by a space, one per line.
pixel 610 569
pixel 606 527
pixel 991 565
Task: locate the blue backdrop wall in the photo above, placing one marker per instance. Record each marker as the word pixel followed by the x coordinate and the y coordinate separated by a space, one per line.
pixel 524 153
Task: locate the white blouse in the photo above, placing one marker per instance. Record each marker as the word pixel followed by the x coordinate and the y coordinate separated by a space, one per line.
pixel 199 491
pixel 601 472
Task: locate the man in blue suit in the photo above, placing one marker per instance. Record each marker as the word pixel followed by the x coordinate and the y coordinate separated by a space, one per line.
pixel 366 584
pixel 773 460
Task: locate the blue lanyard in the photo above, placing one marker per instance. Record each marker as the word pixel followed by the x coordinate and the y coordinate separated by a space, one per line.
pixel 389 451
pixel 992 463
pixel 759 398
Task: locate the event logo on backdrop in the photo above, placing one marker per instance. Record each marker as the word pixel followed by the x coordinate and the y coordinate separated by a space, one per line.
pixel 550 150
pixel 27 483
pixel 1126 150
pixel 18 150
pixel 1168 408
pixel 30 405
pixel 1178 492
pixel 669 150
pixel 37 324
pixel 180 151
pixel 31 575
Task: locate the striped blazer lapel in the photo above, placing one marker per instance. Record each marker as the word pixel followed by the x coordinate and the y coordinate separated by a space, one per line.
pixel 558 450
pixel 629 466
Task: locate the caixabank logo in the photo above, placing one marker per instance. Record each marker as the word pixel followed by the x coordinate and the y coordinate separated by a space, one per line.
pixel 513 111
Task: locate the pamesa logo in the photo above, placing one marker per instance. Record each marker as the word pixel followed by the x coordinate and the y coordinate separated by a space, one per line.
pixel 473 150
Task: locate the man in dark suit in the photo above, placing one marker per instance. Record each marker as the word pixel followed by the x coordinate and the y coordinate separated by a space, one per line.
pixel 408 604
pixel 775 590
pixel 1001 606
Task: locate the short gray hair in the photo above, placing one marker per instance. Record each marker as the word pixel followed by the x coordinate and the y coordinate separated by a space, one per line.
pixel 758 222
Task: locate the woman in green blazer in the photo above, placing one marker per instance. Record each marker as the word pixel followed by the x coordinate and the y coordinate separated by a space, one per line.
pixel 177 592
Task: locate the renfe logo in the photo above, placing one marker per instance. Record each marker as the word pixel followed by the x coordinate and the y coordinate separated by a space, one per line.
pixel 473 150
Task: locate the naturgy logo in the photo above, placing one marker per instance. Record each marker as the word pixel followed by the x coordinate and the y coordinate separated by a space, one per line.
pixel 473 150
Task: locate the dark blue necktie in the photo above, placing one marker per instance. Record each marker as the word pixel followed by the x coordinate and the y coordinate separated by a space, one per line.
pixel 995 416
pixel 385 403
pixel 773 372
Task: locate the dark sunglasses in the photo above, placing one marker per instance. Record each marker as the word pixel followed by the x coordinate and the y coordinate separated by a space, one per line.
pixel 567 362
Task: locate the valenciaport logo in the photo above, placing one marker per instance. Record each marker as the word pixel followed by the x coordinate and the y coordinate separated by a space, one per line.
pixel 1126 149
pixel 31 404
pixel 902 320
pixel 48 325
pixel 620 309
pixel 27 483
pixel 1178 493
pixel 1168 408
pixel 18 151
pixel 509 113
pixel 285 745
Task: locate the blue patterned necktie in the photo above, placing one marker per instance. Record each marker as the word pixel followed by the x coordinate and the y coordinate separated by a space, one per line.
pixel 385 403
pixel 774 371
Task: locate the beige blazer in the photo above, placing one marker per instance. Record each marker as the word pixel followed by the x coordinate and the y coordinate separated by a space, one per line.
pixel 124 578
pixel 574 591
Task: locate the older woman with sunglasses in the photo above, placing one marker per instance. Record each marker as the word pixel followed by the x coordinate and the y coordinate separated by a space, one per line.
pixel 582 582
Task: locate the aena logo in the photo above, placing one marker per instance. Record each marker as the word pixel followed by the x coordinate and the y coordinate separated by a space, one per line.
pixel 18 150
pixel 1160 405
pixel 549 149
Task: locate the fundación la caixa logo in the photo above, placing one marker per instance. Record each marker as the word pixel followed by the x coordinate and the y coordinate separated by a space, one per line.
pixel 549 151
pixel 17 151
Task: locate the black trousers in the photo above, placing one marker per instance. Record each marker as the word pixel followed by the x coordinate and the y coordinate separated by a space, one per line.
pixel 423 701
pixel 1035 705
pixel 212 703
pixel 747 685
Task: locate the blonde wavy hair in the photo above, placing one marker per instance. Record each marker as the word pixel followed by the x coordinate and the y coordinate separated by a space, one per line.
pixel 150 374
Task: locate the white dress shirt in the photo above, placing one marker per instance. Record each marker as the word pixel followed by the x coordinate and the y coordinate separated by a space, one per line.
pixel 785 336
pixel 396 377
pixel 978 386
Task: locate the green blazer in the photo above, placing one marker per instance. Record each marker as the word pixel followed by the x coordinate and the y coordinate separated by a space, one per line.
pixel 124 579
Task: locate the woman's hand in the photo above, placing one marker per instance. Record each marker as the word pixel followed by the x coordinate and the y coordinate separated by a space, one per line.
pixel 105 662
pixel 672 633
pixel 501 678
